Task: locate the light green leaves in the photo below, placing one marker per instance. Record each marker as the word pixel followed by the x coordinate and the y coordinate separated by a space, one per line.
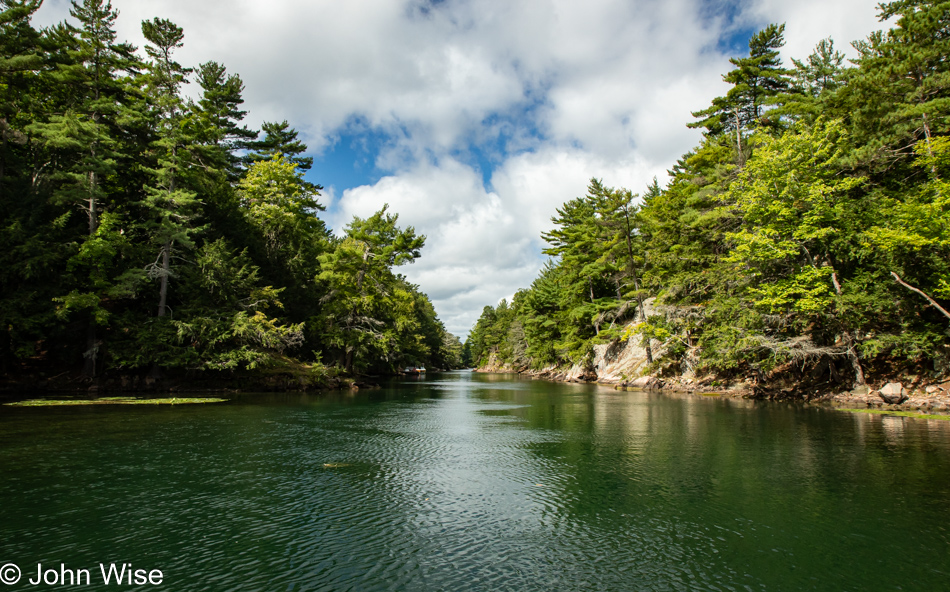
pixel 794 204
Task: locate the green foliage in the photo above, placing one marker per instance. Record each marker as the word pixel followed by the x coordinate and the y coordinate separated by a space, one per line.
pixel 368 310
pixel 811 226
pixel 113 184
pixel 799 219
pixel 755 81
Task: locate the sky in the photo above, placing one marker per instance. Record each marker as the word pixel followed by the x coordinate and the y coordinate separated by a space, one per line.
pixel 475 119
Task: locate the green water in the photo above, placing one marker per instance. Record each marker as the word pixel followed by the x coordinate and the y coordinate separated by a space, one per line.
pixel 478 482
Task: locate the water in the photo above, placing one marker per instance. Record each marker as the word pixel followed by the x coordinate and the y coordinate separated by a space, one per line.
pixel 478 482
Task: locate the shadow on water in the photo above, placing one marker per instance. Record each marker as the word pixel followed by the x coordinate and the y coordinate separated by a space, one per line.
pixel 469 481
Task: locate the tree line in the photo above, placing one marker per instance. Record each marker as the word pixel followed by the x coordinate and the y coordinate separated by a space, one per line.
pixel 809 229
pixel 146 231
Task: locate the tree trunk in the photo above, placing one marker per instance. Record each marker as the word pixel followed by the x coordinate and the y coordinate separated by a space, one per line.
pixel 89 365
pixel 93 181
pixel 362 273
pixel 739 158
pixel 590 285
pixel 92 349
pixel 167 249
pixel 636 281
pixel 850 343
pixel 855 362
pixel 166 270
pixel 930 152
pixel 93 213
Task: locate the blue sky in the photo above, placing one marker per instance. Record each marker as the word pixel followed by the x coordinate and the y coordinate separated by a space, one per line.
pixel 475 119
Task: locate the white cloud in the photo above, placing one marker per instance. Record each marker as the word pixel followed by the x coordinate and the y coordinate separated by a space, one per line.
pixel 610 85
pixel 483 245
pixel 809 21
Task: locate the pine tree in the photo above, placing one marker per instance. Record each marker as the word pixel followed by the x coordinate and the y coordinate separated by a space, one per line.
pixel 280 140
pixel 755 81
pixel 219 115
pixel 84 136
pixel 815 80
pixel 902 92
pixel 363 292
pixel 821 71
pixel 20 58
pixel 171 205
pixel 28 231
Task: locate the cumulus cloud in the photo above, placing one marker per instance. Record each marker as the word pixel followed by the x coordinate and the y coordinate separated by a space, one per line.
pixel 483 244
pixel 550 92
pixel 809 21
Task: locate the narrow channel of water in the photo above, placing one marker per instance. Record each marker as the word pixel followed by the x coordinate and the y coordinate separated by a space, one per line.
pixel 478 482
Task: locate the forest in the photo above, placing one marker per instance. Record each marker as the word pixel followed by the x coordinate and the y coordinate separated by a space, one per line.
pixel 146 232
pixel 808 231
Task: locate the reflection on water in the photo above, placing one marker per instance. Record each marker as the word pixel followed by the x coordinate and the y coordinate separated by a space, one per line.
pixel 465 481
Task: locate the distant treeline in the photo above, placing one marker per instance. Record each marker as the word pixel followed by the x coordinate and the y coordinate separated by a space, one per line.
pixel 144 231
pixel 809 229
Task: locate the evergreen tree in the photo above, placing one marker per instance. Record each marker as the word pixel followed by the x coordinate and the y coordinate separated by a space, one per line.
pixel 812 91
pixel 33 232
pixel 822 70
pixel 280 140
pixel 218 115
pixel 85 136
pixel 755 80
pixel 362 290
pixel 172 206
pixel 21 57
pixel 901 93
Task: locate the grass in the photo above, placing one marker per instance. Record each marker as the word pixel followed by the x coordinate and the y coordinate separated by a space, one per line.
pixel 113 401
pixel 899 413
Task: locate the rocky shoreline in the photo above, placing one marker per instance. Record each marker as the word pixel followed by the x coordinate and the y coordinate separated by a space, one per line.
pixel 622 367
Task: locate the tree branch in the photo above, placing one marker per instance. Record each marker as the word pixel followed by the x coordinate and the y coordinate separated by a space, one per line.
pixel 913 289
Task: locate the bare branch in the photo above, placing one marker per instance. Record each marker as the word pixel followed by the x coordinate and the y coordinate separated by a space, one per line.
pixel 913 289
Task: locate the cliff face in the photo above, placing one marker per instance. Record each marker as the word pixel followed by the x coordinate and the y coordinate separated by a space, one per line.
pixel 619 363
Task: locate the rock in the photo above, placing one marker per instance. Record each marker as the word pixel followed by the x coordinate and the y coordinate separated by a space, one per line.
pixel 647 383
pixel 931 389
pixel 893 393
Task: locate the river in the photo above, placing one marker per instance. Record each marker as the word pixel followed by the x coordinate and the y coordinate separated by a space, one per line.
pixel 462 481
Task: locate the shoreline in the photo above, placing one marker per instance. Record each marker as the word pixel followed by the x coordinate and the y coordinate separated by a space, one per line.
pixel 274 380
pixel 917 398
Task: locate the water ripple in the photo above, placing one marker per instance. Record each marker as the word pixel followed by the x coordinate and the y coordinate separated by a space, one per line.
pixel 469 484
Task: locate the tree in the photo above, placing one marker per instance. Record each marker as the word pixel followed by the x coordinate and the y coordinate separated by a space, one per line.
pixel 280 204
pixel 84 138
pixel 813 88
pixel 21 57
pixel 577 242
pixel 914 231
pixel 800 219
pixel 755 81
pixel 172 206
pixel 361 288
pixel 280 140
pixel 901 93
pixel 218 115
pixel 822 70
